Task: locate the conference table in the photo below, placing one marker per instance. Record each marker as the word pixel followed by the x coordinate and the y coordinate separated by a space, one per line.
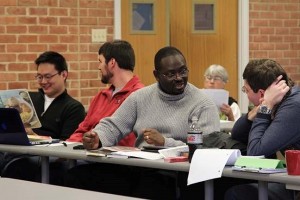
pixel 67 152
pixel 20 190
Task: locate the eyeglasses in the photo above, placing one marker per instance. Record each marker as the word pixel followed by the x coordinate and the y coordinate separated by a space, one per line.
pixel 172 75
pixel 47 77
pixel 245 90
pixel 214 78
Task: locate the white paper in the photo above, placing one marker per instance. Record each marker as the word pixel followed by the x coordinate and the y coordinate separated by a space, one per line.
pixel 219 96
pixel 209 163
pixel 226 125
pixel 172 152
pixel 257 170
pixel 140 154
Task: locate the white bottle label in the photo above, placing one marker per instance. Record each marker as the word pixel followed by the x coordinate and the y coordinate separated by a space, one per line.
pixel 194 138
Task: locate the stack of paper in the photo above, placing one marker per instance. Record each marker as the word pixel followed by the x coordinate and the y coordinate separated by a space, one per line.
pixel 127 152
pixel 259 165
pixel 98 152
pixel 173 151
pixel 139 154
pixel 123 152
pixel 107 151
pixel 39 139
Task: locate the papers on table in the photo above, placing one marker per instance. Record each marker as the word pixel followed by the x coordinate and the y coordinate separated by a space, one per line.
pixel 127 152
pixel 98 152
pixel 39 139
pixel 259 165
pixel 259 170
pixel 123 152
pixel 108 151
pixel 174 151
pixel 209 163
pixel 120 148
pixel 219 96
pixel 139 154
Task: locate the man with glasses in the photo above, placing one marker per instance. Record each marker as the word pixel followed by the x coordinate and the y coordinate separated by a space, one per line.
pixel 57 111
pixel 272 125
pixel 160 115
pixel 144 111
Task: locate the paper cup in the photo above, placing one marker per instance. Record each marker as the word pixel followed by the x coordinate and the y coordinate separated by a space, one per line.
pixel 292 158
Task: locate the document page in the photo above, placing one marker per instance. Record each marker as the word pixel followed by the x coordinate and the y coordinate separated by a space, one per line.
pixel 111 151
pixel 173 152
pixel 124 152
pixel 219 96
pixel 209 163
pixel 139 154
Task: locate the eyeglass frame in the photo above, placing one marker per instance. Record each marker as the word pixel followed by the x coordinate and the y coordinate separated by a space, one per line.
pixel 245 90
pixel 173 75
pixel 214 78
pixel 47 77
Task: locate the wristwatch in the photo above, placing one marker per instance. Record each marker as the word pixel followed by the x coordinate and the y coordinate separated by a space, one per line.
pixel 264 110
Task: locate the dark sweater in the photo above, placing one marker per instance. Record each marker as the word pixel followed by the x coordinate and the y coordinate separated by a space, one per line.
pixel 61 118
pixel 266 136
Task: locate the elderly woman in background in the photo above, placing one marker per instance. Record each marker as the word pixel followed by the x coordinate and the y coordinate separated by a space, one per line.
pixel 216 77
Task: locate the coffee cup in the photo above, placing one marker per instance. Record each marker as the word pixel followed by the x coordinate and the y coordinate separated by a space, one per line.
pixel 292 158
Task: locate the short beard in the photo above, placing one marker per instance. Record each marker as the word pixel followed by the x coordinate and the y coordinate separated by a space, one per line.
pixel 105 79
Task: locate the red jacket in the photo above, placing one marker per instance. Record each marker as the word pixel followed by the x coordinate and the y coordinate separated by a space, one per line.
pixel 104 105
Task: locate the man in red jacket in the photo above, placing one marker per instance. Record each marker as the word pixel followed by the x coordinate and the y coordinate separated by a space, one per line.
pixel 116 64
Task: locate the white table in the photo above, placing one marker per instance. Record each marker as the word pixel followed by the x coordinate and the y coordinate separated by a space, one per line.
pixel 292 182
pixel 20 190
pixel 67 152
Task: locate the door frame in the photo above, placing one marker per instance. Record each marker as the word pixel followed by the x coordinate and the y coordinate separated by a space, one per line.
pixel 243 43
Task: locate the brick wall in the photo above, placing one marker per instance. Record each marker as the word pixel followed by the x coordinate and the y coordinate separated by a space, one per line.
pixel 275 33
pixel 30 27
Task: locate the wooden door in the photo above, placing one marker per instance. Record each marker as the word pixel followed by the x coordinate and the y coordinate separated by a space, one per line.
pixel 205 48
pixel 146 43
pixel 175 24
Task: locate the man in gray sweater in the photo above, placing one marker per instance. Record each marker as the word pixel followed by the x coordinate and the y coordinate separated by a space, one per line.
pixel 159 115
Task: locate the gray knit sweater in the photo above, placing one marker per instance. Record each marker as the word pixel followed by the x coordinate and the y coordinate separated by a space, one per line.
pixel 171 115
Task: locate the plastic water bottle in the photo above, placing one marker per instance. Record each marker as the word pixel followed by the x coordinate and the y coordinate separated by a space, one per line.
pixel 194 137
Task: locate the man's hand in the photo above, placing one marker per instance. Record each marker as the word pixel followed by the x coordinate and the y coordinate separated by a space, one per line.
pixel 226 109
pixel 252 113
pixel 90 140
pixel 275 92
pixel 152 136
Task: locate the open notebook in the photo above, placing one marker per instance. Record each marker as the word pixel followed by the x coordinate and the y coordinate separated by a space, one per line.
pixel 12 130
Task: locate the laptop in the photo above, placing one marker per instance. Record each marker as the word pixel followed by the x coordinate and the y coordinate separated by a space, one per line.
pixel 12 130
